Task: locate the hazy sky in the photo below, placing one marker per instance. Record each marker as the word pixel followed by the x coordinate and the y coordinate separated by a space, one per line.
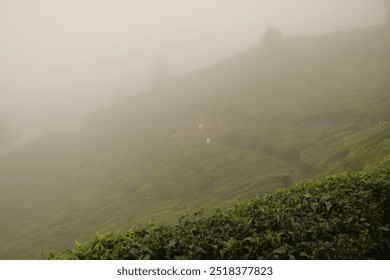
pixel 67 57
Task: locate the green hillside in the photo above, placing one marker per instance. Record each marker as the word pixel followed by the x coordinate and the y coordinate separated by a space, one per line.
pixel 321 219
pixel 276 114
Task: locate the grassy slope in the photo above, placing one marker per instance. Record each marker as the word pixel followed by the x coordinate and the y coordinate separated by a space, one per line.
pixel 115 188
pixel 275 113
pixel 349 150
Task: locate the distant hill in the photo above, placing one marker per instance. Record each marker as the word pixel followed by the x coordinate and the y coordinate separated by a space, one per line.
pixel 275 114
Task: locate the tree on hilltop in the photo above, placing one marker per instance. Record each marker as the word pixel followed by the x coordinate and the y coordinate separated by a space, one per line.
pixel 271 34
pixel 160 73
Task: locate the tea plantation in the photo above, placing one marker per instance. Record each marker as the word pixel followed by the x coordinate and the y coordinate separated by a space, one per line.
pixel 345 216
pixel 277 114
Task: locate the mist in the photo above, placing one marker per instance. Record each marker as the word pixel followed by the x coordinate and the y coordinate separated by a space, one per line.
pixel 60 60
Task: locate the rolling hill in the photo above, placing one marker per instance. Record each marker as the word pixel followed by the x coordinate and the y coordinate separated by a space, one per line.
pixel 275 114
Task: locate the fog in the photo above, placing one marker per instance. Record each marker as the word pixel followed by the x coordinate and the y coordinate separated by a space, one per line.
pixel 62 59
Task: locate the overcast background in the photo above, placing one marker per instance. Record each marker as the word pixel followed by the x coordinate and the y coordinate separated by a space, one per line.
pixel 60 59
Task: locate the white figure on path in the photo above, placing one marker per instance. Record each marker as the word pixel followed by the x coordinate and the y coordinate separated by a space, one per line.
pixel 208 140
pixel 200 126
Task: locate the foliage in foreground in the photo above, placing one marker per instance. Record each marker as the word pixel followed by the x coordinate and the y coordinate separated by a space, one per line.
pixel 345 216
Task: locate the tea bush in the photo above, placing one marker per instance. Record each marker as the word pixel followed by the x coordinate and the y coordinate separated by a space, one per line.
pixel 344 216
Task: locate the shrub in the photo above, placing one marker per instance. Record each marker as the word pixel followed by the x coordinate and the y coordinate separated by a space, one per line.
pixel 345 216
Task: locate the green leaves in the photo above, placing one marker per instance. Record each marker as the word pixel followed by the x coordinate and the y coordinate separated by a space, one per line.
pixel 382 228
pixel 345 216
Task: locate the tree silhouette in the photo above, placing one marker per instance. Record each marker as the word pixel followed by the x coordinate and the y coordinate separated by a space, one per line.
pixel 271 34
pixel 160 73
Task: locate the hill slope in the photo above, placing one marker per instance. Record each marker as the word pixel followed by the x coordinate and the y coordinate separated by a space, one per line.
pixel 276 114
pixel 321 219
